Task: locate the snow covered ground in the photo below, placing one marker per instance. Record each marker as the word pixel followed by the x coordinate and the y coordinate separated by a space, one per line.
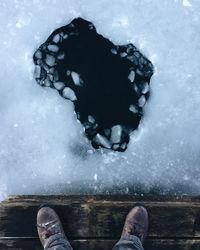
pixel 43 148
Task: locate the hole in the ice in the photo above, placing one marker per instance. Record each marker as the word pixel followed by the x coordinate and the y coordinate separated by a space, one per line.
pixel 108 84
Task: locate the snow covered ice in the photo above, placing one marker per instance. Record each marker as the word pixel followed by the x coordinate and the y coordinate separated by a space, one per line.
pixel 43 147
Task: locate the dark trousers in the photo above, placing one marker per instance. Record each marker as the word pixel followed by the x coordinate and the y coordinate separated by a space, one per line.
pixel 57 242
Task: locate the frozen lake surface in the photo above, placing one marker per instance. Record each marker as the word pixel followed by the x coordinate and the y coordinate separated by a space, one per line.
pixel 43 146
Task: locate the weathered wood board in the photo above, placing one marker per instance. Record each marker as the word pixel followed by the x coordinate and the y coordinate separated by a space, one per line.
pixel 95 222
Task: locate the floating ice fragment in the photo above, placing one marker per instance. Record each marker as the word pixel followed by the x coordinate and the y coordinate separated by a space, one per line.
pixel 50 60
pixel 145 88
pixel 47 83
pixel 59 85
pixel 116 132
pixel 38 54
pixel 76 78
pixel 65 36
pixel 102 141
pixel 56 38
pixel 139 72
pixel 142 101
pixel 131 76
pixel 53 48
pixel 69 94
pixel 116 146
pixel 68 72
pixel 91 26
pixel 61 56
pixel 134 109
pixel 123 146
pixel 91 119
pixel 114 51
pixel 123 54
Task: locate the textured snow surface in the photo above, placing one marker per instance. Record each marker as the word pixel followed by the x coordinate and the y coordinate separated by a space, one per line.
pixel 43 147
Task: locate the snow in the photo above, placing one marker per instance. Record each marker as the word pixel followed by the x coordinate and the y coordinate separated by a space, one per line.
pixel 43 147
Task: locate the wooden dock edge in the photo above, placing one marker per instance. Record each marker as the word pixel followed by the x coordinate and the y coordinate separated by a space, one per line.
pixel 95 222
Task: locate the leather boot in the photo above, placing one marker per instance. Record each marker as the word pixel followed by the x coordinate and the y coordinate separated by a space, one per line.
pixel 136 223
pixel 48 224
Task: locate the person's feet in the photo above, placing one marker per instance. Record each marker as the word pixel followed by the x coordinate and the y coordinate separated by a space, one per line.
pixel 48 224
pixel 136 223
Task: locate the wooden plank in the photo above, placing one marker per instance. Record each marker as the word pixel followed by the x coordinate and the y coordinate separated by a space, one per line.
pixel 103 244
pixel 101 216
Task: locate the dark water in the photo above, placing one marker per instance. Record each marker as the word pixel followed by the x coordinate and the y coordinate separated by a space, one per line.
pixel 108 84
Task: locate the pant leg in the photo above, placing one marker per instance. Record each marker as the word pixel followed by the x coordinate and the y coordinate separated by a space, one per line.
pixel 57 242
pixel 129 242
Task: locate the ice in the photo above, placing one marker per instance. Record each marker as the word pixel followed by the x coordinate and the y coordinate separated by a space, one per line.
pixel 145 88
pixel 101 140
pixel 91 119
pixel 131 76
pixel 142 101
pixel 114 51
pixel 50 60
pixel 133 109
pixel 56 38
pixel 76 78
pixel 59 85
pixel 53 48
pixel 47 153
pixel 116 132
pixel 69 94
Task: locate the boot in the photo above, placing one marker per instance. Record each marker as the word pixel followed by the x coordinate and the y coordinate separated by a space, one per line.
pixel 136 223
pixel 48 224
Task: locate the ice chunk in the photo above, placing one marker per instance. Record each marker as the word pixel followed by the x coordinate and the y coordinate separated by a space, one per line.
pixel 133 108
pixel 116 146
pixel 114 51
pixel 53 48
pixel 139 72
pixel 91 119
pixel 142 101
pixel 61 56
pixel 38 54
pixel 145 88
pixel 102 141
pixel 59 85
pixel 69 94
pixel 68 72
pixel 65 36
pixel 131 76
pixel 50 60
pixel 123 54
pixel 47 83
pixel 116 132
pixel 76 78
pixel 56 38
